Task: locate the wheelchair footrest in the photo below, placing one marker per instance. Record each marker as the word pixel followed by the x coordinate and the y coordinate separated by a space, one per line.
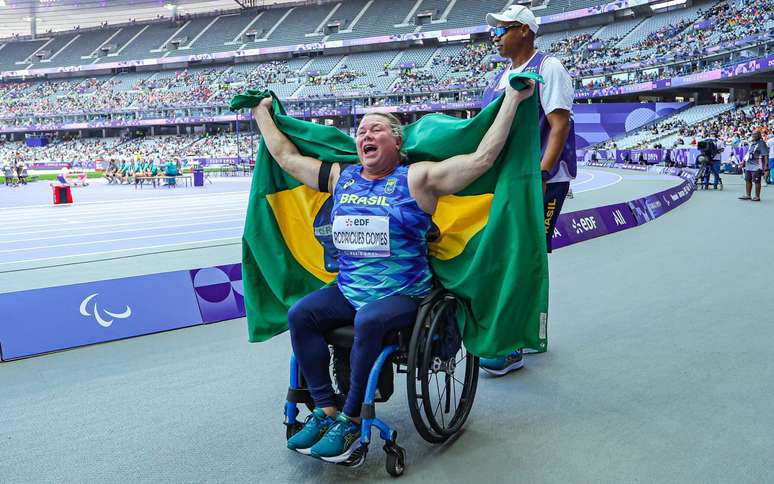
pixel 357 457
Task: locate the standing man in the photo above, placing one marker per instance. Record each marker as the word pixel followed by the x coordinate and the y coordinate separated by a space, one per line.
pixel 513 31
pixel 753 167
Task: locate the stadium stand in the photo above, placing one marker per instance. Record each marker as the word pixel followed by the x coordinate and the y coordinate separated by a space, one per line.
pixel 81 49
pixel 297 25
pixel 655 25
pixel 663 133
pixel 617 30
pixel 731 126
pixel 117 41
pixel 262 28
pixel 381 18
pixel 459 70
pixel 462 12
pixel 220 35
pixel 154 148
pixel 150 38
pixel 188 33
pixel 17 52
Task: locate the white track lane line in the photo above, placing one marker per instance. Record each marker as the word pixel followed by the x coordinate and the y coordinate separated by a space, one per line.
pixel 602 186
pixel 105 220
pixel 573 185
pixel 80 211
pixel 88 206
pixel 131 200
pixel 142 237
pixel 107 215
pixel 121 231
pixel 73 213
pixel 105 252
pixel 74 224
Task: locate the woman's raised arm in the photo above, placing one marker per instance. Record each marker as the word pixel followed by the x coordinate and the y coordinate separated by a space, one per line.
pixel 454 174
pixel 303 168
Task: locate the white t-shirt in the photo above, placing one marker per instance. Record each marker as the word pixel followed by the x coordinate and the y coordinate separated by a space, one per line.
pixel 556 93
pixel 770 144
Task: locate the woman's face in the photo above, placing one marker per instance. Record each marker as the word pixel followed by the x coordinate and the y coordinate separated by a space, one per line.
pixel 377 146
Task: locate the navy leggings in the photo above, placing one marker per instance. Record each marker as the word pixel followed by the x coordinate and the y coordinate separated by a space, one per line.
pixel 326 309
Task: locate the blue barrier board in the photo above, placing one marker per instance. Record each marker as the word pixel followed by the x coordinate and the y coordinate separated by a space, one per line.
pixel 49 319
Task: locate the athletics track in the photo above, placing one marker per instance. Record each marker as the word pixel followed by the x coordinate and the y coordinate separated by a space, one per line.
pixel 106 220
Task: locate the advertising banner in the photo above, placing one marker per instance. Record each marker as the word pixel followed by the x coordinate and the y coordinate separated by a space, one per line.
pixel 56 318
pixel 219 292
pixel 649 156
pixel 575 227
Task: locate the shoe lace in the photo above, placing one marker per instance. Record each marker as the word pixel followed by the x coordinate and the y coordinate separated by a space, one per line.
pixel 318 420
pixel 337 429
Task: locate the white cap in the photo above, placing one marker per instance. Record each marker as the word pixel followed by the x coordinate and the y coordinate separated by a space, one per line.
pixel 514 13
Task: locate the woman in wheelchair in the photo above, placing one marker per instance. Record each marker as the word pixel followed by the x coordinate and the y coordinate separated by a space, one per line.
pixel 381 215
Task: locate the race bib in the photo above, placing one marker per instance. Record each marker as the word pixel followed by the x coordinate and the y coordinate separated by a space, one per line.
pixel 362 235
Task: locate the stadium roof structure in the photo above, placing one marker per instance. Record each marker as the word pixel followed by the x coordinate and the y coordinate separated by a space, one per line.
pixel 59 15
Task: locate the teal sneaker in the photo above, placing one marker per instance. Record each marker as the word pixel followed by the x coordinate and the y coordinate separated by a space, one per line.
pixel 315 427
pixel 339 442
pixel 503 365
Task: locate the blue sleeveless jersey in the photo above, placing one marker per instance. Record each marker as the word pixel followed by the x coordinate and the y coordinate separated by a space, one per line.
pixel 380 233
pixel 568 151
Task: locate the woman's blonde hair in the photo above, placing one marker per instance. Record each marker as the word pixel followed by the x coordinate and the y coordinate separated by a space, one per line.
pixel 396 127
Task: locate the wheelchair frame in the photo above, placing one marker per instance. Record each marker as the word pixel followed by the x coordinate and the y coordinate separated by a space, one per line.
pixel 431 312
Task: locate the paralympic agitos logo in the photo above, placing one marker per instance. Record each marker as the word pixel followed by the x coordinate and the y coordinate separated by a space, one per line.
pixel 104 322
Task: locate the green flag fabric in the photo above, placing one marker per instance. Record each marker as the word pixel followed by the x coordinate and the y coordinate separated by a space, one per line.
pixel 491 252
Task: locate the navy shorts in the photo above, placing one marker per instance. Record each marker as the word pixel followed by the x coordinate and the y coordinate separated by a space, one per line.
pixel 753 176
pixel 553 200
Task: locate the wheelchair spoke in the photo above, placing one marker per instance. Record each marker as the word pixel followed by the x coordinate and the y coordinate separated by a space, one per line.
pixel 448 394
pixel 454 392
pixel 440 401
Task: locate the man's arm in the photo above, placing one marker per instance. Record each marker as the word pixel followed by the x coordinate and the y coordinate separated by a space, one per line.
pixel 559 120
pixel 454 174
pixel 556 98
pixel 303 168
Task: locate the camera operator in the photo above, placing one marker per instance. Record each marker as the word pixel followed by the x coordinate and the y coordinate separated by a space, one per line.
pixel 753 167
pixel 709 157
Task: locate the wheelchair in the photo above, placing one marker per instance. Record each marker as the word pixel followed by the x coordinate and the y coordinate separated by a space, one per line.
pixel 441 380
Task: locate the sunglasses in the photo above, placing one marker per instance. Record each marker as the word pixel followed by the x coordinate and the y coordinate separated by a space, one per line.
pixel 500 31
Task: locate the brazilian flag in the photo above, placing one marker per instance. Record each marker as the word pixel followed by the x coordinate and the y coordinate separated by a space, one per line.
pixel 491 251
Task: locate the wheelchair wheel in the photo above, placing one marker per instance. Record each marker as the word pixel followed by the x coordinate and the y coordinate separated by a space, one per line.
pixel 396 460
pixel 440 390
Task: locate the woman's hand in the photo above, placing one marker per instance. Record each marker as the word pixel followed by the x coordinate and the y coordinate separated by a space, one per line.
pixel 266 103
pixel 523 94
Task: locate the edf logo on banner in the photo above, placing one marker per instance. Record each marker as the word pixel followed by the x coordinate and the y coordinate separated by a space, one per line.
pixel 584 224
